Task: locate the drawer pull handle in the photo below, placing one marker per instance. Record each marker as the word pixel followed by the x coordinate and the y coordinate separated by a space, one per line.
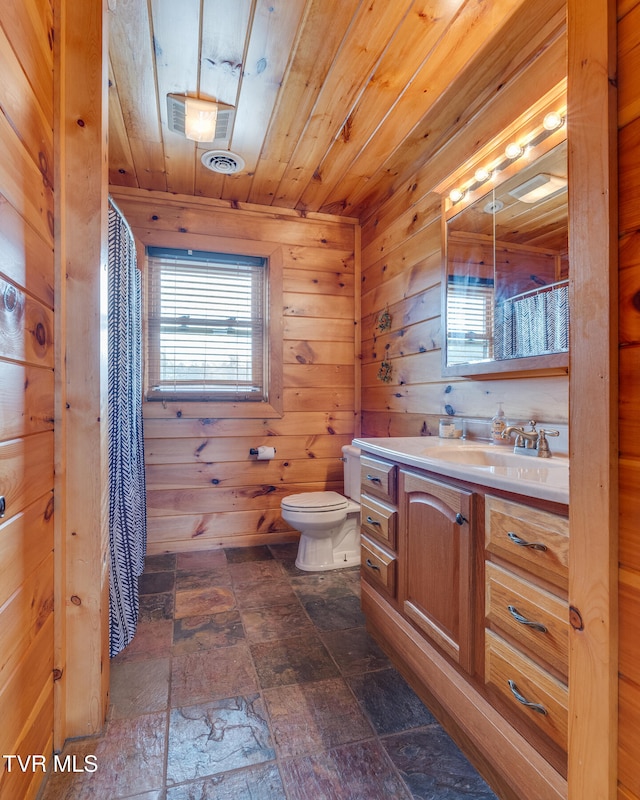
pixel 373 521
pixel 523 543
pixel 536 626
pixel 373 479
pixel 540 709
pixel 372 565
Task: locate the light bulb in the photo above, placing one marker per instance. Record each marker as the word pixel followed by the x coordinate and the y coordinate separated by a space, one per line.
pixel 513 150
pixel 482 174
pixel 455 195
pixel 552 121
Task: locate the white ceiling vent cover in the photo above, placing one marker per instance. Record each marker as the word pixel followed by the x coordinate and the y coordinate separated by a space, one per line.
pixel 176 115
pixel 222 161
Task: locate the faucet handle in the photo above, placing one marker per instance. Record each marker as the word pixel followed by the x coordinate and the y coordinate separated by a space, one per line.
pixel 549 432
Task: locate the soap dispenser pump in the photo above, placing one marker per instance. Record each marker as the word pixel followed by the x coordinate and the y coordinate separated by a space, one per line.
pixel 498 424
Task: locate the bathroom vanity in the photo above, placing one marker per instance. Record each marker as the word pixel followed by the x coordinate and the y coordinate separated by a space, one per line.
pixel 464 565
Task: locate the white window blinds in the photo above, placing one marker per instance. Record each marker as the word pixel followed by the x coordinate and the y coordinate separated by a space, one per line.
pixel 207 318
pixel 469 319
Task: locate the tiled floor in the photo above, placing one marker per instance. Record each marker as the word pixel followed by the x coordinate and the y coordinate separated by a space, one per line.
pixel 251 680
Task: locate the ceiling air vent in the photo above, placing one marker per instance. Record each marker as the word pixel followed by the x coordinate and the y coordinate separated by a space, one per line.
pixel 222 161
pixel 176 117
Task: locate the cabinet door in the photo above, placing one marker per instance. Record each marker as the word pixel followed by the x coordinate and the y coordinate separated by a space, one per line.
pixel 437 590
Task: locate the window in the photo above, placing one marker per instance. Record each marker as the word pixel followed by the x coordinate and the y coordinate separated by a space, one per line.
pixel 207 326
pixel 469 319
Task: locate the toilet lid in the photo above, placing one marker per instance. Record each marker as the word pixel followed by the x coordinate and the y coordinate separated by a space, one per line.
pixel 315 501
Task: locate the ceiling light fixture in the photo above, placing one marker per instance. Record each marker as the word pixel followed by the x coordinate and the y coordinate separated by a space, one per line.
pixel 540 187
pixel 200 119
pixel 549 185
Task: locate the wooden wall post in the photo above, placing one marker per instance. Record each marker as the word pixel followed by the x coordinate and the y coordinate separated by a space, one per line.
pixel 81 488
pixel 593 559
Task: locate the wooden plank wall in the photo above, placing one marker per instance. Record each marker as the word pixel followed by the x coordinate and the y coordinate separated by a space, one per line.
pixel 629 387
pixel 26 388
pixel 401 274
pixel 204 490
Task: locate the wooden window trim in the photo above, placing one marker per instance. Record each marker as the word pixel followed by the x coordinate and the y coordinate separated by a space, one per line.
pixel 231 409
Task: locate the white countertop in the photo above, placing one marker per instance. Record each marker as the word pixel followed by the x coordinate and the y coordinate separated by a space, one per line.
pixel 528 475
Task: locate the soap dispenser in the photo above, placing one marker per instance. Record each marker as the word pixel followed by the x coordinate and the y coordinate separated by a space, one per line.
pixel 498 424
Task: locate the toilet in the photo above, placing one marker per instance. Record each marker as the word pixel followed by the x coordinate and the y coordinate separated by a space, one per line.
pixel 329 523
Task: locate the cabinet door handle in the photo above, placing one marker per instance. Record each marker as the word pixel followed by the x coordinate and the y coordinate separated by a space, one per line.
pixel 372 565
pixel 536 626
pixel 460 519
pixel 523 543
pixel 373 521
pixel 540 709
pixel 373 479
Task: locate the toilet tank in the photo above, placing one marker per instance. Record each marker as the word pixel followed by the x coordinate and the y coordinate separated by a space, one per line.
pixel 351 457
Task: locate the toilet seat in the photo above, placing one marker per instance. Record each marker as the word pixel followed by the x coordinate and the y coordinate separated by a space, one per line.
pixel 315 501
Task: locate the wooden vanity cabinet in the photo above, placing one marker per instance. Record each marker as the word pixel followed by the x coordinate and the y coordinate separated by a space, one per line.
pixel 378 520
pixel 466 591
pixel 436 588
pixel 527 614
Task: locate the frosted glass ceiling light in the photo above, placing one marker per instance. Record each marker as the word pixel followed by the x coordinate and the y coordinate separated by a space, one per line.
pixel 200 120
pixel 513 150
pixel 552 121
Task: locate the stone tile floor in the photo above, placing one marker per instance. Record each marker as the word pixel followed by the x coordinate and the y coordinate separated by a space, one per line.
pixel 251 680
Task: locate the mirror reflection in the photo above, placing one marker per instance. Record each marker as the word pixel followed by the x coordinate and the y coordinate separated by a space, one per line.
pixel 507 268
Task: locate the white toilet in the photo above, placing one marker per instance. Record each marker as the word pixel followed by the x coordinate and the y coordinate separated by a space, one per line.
pixel 329 523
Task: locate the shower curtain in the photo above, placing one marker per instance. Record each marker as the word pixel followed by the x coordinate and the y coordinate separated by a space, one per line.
pixel 127 492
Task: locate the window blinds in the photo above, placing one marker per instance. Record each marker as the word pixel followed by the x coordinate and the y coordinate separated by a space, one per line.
pixel 206 326
pixel 469 319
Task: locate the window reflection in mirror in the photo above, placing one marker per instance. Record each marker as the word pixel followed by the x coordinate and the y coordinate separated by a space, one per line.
pixel 507 268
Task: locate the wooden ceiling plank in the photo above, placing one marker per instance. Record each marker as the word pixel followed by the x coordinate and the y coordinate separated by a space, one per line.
pixel 122 171
pixel 151 154
pixel 135 79
pixel 462 94
pixel 457 52
pixel 222 56
pixel 224 34
pixel 134 69
pixel 362 48
pixel 412 45
pixel 319 38
pixel 273 31
pixel 176 66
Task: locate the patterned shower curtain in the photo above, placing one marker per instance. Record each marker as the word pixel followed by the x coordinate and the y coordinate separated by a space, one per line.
pixel 127 492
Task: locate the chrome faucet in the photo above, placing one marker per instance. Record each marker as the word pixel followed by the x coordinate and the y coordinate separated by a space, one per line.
pixel 532 442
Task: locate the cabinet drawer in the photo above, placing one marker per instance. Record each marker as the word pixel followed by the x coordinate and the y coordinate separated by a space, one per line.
pixel 378 566
pixel 536 694
pixel 535 540
pixel 532 616
pixel 379 521
pixel 378 478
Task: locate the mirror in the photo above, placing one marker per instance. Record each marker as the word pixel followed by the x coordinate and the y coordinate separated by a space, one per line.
pixel 506 274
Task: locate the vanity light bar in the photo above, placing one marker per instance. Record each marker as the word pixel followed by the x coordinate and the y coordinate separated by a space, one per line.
pixel 551 122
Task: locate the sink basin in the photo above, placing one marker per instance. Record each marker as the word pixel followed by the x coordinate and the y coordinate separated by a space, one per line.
pixel 493 457
pixel 488 465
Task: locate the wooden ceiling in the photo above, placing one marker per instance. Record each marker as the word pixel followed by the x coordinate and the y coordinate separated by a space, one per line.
pixel 338 102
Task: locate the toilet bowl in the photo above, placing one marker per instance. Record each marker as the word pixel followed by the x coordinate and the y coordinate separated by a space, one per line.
pixel 329 523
